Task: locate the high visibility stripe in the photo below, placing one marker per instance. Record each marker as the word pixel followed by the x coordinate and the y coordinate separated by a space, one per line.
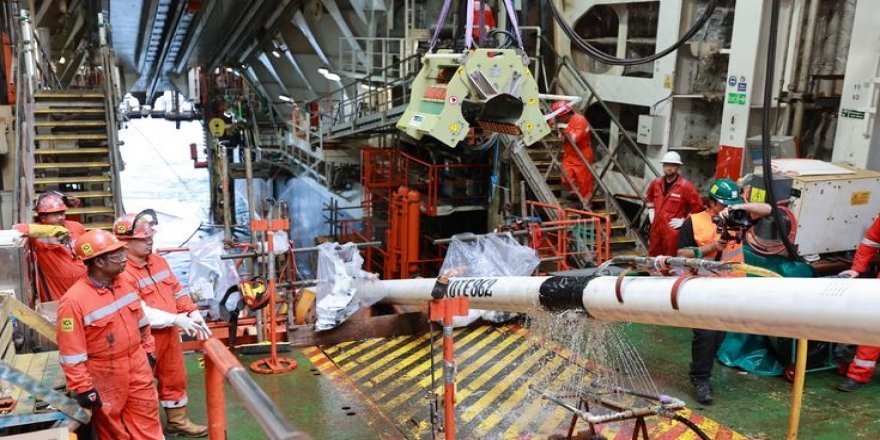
pixel 110 308
pixel 143 322
pixel 180 294
pixel 152 279
pixel 174 403
pixel 50 240
pixel 864 363
pixel 73 358
pixel 870 243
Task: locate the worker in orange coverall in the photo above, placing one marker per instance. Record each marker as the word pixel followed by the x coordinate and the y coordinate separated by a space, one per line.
pixel 52 240
pixel 167 307
pixel 862 367
pixel 105 346
pixel 576 137
pixel 670 199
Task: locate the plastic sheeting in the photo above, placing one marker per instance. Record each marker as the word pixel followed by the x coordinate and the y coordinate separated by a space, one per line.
pixel 339 270
pixel 487 256
pixel 210 277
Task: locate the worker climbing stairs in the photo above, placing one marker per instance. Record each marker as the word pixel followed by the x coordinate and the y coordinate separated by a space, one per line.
pixel 74 153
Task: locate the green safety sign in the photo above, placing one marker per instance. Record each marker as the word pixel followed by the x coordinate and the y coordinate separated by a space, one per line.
pixel 736 98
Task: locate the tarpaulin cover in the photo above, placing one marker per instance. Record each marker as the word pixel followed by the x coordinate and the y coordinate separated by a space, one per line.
pixel 209 276
pixel 487 256
pixel 339 267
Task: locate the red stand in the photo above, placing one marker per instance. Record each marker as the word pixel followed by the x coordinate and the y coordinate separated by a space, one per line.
pixel 444 310
pixel 272 364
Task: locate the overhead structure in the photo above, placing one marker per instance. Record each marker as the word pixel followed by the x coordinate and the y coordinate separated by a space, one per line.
pixel 492 89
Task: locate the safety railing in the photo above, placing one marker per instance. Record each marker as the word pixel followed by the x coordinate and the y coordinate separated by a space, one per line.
pixel 376 53
pixel 448 185
pixel 221 366
pixel 575 239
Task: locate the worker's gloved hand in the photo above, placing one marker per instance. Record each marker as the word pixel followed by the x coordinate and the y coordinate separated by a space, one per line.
pixel 151 358
pixel 48 231
pixel 650 215
pixel 204 331
pixel 849 273
pixel 186 324
pixel 676 223
pixel 720 245
pixel 158 318
pixel 89 399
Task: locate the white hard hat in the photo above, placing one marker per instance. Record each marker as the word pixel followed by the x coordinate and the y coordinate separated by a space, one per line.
pixel 671 157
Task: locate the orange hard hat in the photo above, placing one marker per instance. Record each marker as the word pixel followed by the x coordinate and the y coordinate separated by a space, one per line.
pixel 138 225
pixel 50 202
pixel 565 106
pixel 95 243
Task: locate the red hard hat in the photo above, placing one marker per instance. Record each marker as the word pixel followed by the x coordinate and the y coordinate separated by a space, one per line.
pixel 50 202
pixel 95 243
pixel 138 225
pixel 565 106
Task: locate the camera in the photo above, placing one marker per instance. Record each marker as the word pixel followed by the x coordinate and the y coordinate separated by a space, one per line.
pixel 734 225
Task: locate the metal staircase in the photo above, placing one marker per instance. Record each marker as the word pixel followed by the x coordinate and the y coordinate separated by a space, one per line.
pixel 73 153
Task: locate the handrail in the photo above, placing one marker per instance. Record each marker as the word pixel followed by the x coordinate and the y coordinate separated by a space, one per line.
pixel 111 107
pixel 220 366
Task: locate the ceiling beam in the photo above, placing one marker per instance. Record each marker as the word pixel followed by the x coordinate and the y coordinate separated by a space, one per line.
pixel 234 38
pixel 267 64
pixel 193 41
pixel 336 14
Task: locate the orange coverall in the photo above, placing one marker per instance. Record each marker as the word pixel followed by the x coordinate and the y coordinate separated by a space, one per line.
pixel 681 200
pixel 578 129
pixel 865 362
pixel 103 341
pixel 58 267
pixel 160 289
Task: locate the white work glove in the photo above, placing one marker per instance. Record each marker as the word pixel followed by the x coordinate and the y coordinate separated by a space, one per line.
pixel 650 215
pixel 186 324
pixel 849 273
pixel 204 331
pixel 157 318
pixel 676 223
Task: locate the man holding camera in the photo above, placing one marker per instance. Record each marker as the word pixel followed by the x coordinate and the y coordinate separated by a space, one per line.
pixel 701 237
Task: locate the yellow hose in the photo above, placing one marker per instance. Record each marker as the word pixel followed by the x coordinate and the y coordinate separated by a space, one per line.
pixel 754 270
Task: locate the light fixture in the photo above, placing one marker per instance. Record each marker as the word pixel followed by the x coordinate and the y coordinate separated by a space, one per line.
pixel 275 53
pixel 332 76
pixel 229 69
pixel 235 72
pixel 323 71
pixel 62 60
pixel 285 98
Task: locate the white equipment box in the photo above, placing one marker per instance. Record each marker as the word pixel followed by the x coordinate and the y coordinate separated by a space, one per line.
pixel 834 211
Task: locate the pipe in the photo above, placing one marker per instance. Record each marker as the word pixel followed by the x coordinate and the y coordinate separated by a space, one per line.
pixel 821 309
pixel 797 394
pixel 194 154
pixel 224 190
pixel 368 244
pixel 804 71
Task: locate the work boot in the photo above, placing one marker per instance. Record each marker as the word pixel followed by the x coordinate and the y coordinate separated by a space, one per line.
pixel 179 424
pixel 849 385
pixel 703 392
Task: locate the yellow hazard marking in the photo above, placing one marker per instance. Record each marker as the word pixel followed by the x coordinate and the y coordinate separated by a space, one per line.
pixel 860 198
pixel 67 325
pixel 538 405
pixel 419 369
pixel 382 362
pixel 365 352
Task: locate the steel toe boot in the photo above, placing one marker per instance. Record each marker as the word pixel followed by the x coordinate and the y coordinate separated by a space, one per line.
pixel 849 385
pixel 703 392
pixel 179 424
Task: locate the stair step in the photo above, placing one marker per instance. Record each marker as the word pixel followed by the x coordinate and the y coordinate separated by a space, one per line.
pixel 90 226
pixel 56 151
pixel 51 123
pixel 69 110
pixel 72 137
pixel 91 210
pixel 78 179
pixel 68 165
pixel 625 239
pixel 87 194
pixel 68 95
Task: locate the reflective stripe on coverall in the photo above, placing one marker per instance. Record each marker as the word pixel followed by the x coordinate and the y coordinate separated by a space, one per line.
pixel 578 129
pixel 160 289
pixel 57 264
pixel 103 341
pixel 681 199
pixel 862 367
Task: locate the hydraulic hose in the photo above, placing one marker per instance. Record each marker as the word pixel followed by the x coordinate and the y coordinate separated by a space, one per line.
pixel 693 426
pixel 614 61
pixel 765 130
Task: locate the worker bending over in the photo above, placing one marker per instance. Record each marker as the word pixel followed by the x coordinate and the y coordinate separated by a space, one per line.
pixel 865 362
pixel 670 198
pixel 576 149
pixel 53 238
pixel 699 237
pixel 105 346
pixel 167 307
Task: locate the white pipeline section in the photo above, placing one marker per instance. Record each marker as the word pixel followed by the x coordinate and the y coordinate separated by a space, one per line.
pixel 826 309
